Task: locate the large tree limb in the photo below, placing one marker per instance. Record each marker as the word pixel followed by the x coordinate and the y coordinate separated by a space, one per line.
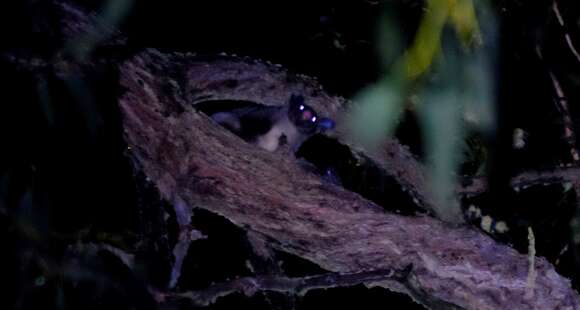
pixel 235 78
pixel 196 164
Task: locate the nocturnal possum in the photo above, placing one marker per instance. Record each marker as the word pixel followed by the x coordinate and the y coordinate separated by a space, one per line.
pixel 271 126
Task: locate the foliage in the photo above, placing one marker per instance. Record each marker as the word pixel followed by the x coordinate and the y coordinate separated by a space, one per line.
pixel 450 78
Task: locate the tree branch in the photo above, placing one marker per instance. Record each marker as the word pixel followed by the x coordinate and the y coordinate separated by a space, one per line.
pixel 556 11
pixel 251 285
pixel 191 159
pixel 478 185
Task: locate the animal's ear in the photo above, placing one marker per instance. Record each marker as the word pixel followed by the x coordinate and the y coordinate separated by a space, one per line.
pixel 325 123
pixel 296 100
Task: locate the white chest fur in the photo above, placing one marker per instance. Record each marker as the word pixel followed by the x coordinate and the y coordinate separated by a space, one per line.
pixel 271 140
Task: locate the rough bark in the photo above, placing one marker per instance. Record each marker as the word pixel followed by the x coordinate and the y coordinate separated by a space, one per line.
pixel 246 79
pixel 196 164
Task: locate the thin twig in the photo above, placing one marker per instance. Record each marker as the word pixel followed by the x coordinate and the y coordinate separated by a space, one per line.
pixel 251 285
pixel 478 185
pixel 531 281
pixel 566 34
pixel 91 249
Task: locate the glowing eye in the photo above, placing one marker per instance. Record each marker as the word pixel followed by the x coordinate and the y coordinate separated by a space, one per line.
pixel 301 107
pixel 313 119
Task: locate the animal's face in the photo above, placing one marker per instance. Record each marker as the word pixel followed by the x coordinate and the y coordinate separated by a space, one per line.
pixel 305 118
pixel 302 115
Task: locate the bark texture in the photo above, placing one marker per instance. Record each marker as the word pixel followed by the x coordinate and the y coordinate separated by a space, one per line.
pixel 196 164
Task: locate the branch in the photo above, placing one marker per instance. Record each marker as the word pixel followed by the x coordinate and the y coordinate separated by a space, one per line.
pixel 556 11
pixel 190 158
pixel 235 78
pixel 478 185
pixel 562 105
pixel 251 285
